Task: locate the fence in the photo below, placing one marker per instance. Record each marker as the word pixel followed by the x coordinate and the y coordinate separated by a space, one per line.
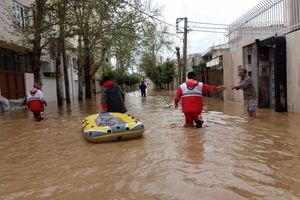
pixel 268 18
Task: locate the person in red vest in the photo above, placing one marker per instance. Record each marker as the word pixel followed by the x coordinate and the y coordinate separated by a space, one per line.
pixel 190 93
pixel 36 102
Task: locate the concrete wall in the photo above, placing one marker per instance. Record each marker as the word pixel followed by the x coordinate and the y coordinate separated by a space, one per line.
pixel 251 50
pixel 28 78
pixel 49 89
pixel 230 70
pixel 293 71
pixel 193 59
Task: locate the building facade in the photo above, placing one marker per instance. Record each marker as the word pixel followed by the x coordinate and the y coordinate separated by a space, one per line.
pixel 213 73
pixel 16 76
pixel 266 41
pixel 15 59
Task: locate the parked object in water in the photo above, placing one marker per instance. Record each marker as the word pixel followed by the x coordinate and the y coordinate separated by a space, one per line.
pixel 4 103
pixel 12 104
pixel 108 127
pixel 18 102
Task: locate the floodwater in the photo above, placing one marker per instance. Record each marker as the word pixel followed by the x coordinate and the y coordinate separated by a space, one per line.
pixel 232 157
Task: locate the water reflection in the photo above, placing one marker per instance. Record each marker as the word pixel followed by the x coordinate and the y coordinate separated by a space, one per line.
pixel 232 157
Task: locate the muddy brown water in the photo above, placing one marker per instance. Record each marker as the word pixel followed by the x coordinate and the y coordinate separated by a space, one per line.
pixel 232 157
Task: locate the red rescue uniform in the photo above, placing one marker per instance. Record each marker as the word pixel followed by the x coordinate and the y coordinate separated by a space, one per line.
pixel 190 94
pixel 36 103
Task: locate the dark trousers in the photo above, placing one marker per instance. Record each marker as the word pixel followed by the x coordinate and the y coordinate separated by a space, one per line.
pixel 143 93
pixel 37 115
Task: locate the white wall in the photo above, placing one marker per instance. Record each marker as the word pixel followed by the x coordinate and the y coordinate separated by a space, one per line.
pixel 293 71
pixel 231 62
pixel 28 78
pixel 49 83
pixel 49 89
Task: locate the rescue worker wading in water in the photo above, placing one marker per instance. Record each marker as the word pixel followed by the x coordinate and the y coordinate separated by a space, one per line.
pixel 36 101
pixel 190 93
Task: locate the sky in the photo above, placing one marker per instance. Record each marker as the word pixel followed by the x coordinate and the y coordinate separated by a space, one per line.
pixel 203 11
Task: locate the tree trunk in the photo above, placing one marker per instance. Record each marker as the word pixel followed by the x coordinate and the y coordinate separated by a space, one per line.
pixel 37 49
pixel 66 75
pixel 80 71
pixel 87 68
pixel 36 63
pixel 87 77
pixel 58 82
pixel 62 12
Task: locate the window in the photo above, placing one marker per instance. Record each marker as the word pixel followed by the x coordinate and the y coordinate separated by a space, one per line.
pixel 28 64
pixel 3 60
pixel 249 59
pixel 11 63
pixel 75 63
pixel 20 14
pixel 23 63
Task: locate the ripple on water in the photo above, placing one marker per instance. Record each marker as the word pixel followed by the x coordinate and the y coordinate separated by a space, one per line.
pixel 231 157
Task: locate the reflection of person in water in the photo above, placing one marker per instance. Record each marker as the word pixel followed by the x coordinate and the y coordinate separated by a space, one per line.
pixel 194 148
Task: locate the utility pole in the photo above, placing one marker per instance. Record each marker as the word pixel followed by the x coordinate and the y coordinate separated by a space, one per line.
pixel 184 63
pixel 179 64
pixel 184 50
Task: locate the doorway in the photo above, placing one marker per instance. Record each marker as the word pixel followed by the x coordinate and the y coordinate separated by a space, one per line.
pixel 272 74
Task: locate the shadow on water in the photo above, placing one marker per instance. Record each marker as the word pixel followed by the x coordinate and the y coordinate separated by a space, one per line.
pixel 231 157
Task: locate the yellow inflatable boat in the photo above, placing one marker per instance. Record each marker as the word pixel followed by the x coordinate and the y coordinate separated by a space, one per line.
pixel 108 127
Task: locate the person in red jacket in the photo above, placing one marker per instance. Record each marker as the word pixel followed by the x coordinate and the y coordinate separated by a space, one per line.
pixel 36 102
pixel 190 93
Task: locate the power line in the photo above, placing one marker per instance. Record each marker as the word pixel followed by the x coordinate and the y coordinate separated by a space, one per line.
pixel 197 30
pixel 208 23
pixel 207 27
pixel 169 24
pixel 168 33
pixel 151 16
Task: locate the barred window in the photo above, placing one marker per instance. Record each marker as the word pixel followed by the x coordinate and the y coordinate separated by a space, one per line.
pixel 20 14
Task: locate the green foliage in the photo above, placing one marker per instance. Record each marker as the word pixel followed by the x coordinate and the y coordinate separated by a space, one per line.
pixel 108 72
pixel 132 79
pixel 154 75
pixel 162 74
pixel 155 39
pixel 167 72
pixel 103 29
pixel 147 64
pixel 128 80
pixel 199 68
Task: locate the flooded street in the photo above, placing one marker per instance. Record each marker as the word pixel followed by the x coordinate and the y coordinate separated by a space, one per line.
pixel 232 157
